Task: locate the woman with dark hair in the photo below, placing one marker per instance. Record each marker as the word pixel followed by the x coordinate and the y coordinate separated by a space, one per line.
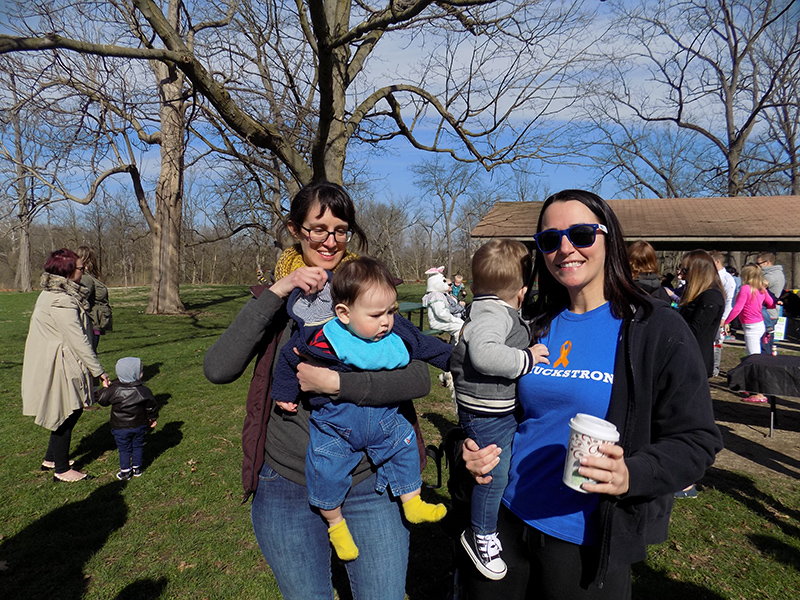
pixel 59 361
pixel 616 354
pixel 291 534
pixel 99 307
pixel 644 267
pixel 702 302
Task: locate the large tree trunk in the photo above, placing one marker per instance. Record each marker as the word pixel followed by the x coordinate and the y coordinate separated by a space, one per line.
pixel 22 279
pixel 165 287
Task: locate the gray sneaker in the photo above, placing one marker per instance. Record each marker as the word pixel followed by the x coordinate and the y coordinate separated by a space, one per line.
pixel 484 552
pixel 124 475
pixel 137 471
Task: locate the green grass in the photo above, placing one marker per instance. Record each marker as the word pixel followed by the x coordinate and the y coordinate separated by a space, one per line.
pixel 180 531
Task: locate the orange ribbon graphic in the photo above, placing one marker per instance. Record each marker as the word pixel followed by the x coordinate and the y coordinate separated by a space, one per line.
pixel 562 360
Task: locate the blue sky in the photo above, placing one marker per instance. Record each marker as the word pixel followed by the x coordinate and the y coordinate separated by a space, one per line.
pixel 393 176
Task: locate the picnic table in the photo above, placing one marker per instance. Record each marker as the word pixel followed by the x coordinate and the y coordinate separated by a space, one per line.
pixel 409 308
pixel 769 375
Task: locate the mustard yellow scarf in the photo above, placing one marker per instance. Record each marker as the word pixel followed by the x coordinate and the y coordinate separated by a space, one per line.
pixel 291 259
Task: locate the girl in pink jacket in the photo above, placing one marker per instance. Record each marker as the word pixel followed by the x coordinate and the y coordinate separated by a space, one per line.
pixel 752 295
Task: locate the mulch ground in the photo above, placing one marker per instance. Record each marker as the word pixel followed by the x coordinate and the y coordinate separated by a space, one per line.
pixel 745 427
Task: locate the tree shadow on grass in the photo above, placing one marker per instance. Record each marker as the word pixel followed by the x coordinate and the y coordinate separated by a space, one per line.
pixel 787 417
pixel 161 440
pixel 650 584
pixel 777 550
pixel 743 490
pixel 101 440
pixel 144 589
pixel 441 422
pixel 758 453
pixel 46 559
pixel 194 305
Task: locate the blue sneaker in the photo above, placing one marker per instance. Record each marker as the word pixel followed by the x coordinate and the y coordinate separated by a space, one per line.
pixel 690 493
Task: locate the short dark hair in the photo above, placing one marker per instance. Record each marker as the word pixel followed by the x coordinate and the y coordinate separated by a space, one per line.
pixel 501 267
pixel 766 257
pixel 61 262
pixel 356 276
pixel 331 196
pixel 618 289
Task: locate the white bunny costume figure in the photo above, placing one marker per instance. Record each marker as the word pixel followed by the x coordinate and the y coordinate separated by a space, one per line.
pixel 439 315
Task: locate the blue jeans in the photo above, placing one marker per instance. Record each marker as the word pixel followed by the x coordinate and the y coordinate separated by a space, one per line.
pixel 339 433
pixel 130 442
pixel 768 339
pixel 486 498
pixel 294 540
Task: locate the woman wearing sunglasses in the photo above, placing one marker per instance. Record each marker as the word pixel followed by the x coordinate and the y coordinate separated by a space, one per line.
pixel 617 354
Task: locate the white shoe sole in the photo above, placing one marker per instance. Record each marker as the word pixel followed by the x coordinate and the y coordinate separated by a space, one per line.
pixel 494 576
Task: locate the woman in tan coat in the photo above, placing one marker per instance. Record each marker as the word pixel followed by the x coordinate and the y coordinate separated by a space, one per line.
pixel 59 361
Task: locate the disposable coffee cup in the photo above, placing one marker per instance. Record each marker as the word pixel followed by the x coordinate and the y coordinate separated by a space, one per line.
pixel 586 435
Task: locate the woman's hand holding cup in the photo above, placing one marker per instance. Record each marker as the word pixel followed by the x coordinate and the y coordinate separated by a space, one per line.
pixel 608 470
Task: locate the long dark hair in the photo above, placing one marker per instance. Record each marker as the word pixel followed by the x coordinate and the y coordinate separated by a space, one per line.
pixel 701 275
pixel 618 288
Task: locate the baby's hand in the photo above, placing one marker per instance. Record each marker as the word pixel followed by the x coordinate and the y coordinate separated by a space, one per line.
pixel 153 424
pixel 540 353
pixel 287 406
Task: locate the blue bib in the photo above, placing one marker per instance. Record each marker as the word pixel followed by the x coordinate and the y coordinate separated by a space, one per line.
pixel 387 353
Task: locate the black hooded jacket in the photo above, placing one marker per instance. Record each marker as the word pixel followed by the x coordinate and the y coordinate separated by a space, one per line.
pixel 132 404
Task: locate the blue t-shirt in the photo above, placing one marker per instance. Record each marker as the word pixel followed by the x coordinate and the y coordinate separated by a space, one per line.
pixel 577 380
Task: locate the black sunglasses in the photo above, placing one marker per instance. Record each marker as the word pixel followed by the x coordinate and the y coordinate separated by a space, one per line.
pixel 580 236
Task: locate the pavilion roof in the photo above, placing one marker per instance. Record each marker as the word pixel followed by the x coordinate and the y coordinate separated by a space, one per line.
pixel 721 221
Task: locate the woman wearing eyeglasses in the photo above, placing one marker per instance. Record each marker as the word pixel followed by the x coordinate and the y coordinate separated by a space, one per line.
pixel 292 536
pixel 59 361
pixel 616 354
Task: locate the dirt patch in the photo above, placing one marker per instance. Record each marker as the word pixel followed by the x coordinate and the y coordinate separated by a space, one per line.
pixel 745 428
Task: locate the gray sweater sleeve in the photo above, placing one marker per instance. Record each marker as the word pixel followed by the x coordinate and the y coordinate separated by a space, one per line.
pixel 485 336
pixel 378 388
pixel 229 356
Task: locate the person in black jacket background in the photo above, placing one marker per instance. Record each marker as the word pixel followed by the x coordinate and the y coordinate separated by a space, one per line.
pixel 644 268
pixel 702 302
pixel 133 412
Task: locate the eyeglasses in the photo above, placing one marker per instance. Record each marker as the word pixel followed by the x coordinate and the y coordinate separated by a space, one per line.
pixel 320 236
pixel 683 271
pixel 760 264
pixel 80 268
pixel 580 236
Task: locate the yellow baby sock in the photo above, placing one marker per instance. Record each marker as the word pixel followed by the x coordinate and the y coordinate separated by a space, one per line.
pixel 342 541
pixel 417 511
